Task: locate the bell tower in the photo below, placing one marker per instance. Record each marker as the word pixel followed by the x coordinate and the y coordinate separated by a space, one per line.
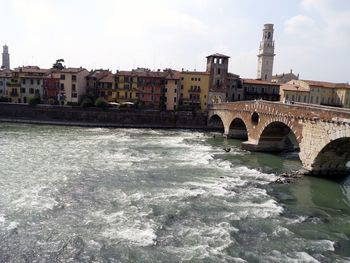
pixel 266 54
pixel 5 58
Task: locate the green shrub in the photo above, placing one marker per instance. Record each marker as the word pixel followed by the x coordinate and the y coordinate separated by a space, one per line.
pixel 101 103
pixel 32 101
pixel 86 102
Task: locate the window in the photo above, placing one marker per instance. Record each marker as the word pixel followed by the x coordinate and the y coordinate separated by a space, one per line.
pixel 175 82
pixel 23 90
pixel 74 77
pixel 73 87
pixel 38 81
pixel 317 100
pixel 182 86
pixel 217 82
pixel 312 99
pixel 305 99
pixel 31 91
pixel 37 91
pixel 31 81
pixel 23 81
pixel 191 79
pixel 63 76
pixel 175 99
pixel 62 86
pixel 74 95
pixel 219 71
pixel 130 95
pixel 175 90
pixel 199 79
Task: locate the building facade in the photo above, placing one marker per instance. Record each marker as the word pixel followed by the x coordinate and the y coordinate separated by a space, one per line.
pixel 5 77
pixel 317 92
pixel 266 54
pixel 194 90
pixel 235 91
pixel 259 89
pixel 172 89
pixel 31 79
pixel 92 81
pixel 72 84
pixel 106 86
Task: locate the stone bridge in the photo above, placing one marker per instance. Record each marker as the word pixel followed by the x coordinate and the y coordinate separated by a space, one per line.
pixel 321 133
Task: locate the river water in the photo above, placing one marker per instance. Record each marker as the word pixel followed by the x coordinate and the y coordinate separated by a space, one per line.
pixel 70 194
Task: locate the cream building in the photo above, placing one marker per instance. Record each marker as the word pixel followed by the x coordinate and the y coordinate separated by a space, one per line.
pixel 72 84
pixel 172 89
pixel 317 92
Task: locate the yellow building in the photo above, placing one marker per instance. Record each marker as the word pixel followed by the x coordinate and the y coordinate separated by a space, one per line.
pixel 125 86
pixel 194 90
pixel 317 92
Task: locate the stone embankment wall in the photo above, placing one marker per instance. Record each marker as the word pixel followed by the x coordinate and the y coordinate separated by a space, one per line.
pixel 109 117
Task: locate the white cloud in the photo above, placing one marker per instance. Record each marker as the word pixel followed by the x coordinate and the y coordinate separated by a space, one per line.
pixel 301 26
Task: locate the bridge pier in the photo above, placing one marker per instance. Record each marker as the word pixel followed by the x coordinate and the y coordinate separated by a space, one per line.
pixel 270 145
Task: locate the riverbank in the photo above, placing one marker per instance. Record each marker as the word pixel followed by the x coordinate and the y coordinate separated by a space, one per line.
pixel 96 117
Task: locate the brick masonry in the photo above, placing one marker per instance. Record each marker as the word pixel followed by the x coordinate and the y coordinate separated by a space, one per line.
pixel 323 133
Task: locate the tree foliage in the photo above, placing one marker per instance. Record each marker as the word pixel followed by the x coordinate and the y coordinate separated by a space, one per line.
pixel 58 64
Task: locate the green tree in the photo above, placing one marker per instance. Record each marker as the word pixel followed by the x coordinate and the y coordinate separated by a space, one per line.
pixel 58 64
pixel 101 103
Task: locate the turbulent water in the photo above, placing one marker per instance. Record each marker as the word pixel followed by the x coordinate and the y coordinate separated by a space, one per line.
pixel 141 195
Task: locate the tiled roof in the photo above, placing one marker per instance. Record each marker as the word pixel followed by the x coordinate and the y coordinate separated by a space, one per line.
pixel 218 55
pixel 292 87
pixel 232 75
pixel 144 74
pixel 108 78
pixel 325 84
pixel 69 70
pixel 195 72
pixel 31 69
pixel 259 82
pixel 98 73
pixel 5 73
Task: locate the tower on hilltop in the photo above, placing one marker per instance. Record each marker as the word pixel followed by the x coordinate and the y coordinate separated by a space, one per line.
pixel 266 54
pixel 5 58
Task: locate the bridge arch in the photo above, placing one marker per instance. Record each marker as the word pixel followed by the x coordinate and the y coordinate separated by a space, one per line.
pixel 333 159
pixel 215 122
pixel 238 128
pixel 277 136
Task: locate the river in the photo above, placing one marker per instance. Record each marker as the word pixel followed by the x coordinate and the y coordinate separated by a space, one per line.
pixel 71 194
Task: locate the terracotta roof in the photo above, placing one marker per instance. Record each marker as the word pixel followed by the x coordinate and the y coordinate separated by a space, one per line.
pixel 172 74
pixel 232 75
pixel 144 74
pixel 292 87
pixel 108 78
pixel 5 73
pixel 218 55
pixel 98 73
pixel 69 70
pixel 195 72
pixel 325 84
pixel 31 69
pixel 259 82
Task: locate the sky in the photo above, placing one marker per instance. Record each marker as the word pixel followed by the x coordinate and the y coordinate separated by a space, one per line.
pixel 312 37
